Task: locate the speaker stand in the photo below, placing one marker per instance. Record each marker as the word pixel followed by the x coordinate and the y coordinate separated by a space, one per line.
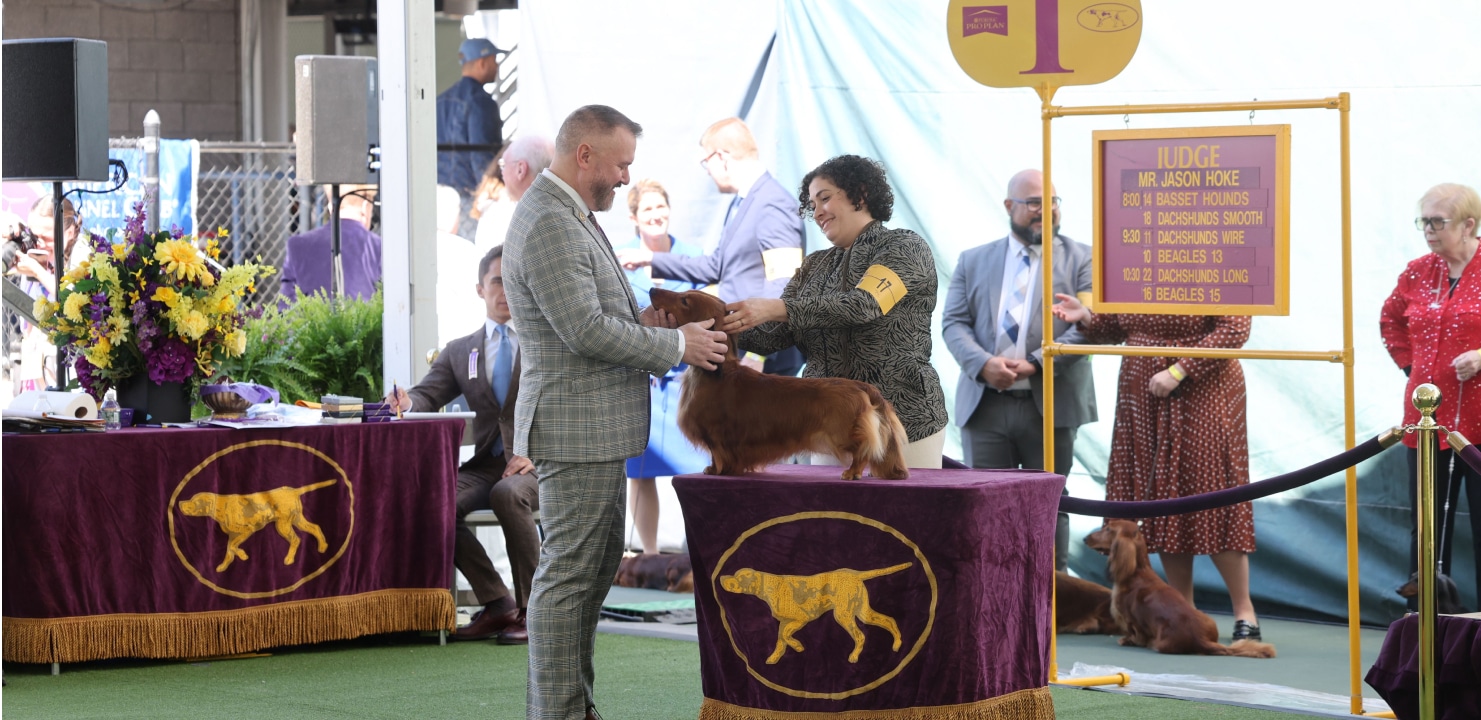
pixel 58 269
pixel 337 274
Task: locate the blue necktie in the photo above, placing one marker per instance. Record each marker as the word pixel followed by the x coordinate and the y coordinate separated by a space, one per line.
pixel 1013 312
pixel 503 365
pixel 503 371
pixel 730 211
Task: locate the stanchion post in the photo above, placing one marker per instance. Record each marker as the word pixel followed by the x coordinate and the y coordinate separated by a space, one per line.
pixel 1046 266
pixel 1427 399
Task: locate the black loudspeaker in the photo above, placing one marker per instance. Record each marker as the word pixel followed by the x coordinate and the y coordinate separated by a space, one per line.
pixel 56 110
pixel 338 118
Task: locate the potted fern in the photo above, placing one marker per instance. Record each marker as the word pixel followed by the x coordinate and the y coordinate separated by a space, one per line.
pixel 316 346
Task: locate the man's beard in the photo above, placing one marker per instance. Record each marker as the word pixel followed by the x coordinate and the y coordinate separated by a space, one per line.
pixel 1027 232
pixel 602 195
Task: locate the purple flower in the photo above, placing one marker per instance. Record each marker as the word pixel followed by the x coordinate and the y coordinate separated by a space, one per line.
pixel 171 361
pixel 99 243
pixel 92 383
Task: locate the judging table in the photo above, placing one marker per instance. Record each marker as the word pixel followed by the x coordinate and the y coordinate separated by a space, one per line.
pixel 927 597
pixel 197 542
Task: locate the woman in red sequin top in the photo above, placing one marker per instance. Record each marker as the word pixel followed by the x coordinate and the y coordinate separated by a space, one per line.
pixel 1431 325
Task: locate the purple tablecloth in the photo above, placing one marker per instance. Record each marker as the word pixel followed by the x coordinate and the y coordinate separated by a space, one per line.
pixel 118 545
pixel 958 562
pixel 1395 675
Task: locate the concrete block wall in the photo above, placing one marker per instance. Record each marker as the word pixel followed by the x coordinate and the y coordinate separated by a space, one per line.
pixel 177 57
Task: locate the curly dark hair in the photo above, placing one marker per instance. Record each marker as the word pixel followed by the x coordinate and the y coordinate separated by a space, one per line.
pixel 861 179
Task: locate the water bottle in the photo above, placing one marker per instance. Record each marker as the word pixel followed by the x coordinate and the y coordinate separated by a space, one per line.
pixel 109 410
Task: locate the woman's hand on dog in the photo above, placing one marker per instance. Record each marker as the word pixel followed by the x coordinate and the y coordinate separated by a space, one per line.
pixel 703 347
pixel 746 314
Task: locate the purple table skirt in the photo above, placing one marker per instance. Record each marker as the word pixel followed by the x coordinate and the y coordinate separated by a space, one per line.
pixel 1395 675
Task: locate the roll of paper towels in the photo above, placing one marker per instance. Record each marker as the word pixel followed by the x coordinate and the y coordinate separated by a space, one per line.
pixel 74 406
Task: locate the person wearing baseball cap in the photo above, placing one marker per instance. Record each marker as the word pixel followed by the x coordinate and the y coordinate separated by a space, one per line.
pixel 467 115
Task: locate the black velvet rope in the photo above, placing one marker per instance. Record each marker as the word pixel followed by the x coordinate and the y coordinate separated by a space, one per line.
pixel 1234 495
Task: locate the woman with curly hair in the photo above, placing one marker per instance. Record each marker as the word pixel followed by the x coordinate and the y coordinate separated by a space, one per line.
pixel 862 308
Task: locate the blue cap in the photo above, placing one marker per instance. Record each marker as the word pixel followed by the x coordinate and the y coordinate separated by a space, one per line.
pixel 475 48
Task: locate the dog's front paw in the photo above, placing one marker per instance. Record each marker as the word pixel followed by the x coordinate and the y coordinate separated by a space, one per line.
pixel 711 470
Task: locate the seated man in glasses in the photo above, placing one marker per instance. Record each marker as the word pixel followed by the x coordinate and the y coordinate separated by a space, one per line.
pixel 993 325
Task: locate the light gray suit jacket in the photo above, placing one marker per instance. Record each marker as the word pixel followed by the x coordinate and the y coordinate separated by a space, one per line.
pixel 583 390
pixel 969 326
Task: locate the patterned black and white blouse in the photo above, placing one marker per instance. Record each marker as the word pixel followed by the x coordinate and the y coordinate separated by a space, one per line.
pixel 864 313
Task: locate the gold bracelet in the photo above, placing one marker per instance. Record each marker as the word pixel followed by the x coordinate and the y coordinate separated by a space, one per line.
pixel 1176 372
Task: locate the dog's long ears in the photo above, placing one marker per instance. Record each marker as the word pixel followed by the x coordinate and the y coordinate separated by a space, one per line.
pixel 1123 557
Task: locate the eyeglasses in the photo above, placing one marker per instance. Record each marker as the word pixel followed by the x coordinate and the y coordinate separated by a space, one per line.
pixel 705 163
pixel 1438 223
pixel 1035 203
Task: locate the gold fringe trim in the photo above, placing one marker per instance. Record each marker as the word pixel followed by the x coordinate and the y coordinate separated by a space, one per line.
pixel 226 632
pixel 1030 704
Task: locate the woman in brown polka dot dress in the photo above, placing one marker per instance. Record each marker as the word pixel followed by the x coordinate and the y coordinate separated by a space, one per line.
pixel 1180 430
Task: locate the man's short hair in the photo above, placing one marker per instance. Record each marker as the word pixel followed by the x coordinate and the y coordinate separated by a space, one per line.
pixel 489 257
pixel 586 122
pixel 733 136
pixel 535 150
pixel 641 188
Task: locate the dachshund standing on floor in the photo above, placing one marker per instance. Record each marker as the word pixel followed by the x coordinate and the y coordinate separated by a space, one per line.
pixel 1153 614
pixel 746 419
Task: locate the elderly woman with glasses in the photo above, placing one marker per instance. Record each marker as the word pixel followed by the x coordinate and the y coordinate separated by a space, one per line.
pixel 1431 325
pixel 862 308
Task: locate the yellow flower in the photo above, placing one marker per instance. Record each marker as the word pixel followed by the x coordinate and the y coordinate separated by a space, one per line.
pixel 225 305
pixel 180 258
pixel 236 343
pixel 75 303
pixel 100 355
pixel 213 249
pixel 118 328
pixel 194 324
pixel 78 272
pixel 166 295
pixel 43 309
pixel 120 251
pixel 104 271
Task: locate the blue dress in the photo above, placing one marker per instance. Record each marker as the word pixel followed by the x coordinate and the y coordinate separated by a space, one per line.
pixel 669 452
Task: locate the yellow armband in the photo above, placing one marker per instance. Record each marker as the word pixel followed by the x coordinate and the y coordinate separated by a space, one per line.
pixel 1177 372
pixel 884 285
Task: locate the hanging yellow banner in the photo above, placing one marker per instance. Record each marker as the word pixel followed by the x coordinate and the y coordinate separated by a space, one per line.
pixel 1029 43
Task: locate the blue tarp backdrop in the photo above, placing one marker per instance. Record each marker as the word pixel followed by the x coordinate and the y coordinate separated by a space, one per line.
pixel 817 78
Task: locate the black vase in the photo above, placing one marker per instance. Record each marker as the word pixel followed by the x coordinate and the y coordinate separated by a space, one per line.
pixel 153 402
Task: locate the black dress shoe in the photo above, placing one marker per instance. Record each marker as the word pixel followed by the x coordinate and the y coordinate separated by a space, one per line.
pixel 515 633
pixel 1245 630
pixel 487 623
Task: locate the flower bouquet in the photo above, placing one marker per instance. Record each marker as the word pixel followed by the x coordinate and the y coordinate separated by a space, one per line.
pixel 150 304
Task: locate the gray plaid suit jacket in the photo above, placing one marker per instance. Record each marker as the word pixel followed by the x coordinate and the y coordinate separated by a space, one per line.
pixel 583 392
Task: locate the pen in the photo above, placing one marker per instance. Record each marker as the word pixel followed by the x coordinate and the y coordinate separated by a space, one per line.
pixel 396 397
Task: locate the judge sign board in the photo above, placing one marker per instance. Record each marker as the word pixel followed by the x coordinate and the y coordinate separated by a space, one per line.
pixel 1192 221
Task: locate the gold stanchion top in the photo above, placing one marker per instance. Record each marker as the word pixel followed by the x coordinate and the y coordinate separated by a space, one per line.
pixel 1427 399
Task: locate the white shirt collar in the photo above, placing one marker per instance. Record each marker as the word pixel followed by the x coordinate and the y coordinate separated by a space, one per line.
pixel 1034 252
pixel 580 204
pixel 491 329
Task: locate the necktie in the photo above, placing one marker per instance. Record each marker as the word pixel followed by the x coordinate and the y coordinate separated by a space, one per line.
pixel 503 365
pixel 730 211
pixel 1013 311
pixel 500 377
pixel 593 218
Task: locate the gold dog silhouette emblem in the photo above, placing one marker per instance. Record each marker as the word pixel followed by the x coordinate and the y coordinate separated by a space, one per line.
pixel 241 515
pixel 797 600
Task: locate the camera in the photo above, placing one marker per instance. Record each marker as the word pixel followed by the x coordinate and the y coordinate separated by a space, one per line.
pixel 18 243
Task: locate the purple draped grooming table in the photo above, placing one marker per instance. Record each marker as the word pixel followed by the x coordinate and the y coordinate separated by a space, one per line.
pixel 115 544
pixel 1395 675
pixel 802 579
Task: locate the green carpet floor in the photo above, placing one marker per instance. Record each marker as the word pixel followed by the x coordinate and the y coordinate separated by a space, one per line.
pixel 407 676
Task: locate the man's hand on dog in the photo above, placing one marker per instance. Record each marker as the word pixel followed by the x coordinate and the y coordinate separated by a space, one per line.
pixel 703 347
pixel 654 316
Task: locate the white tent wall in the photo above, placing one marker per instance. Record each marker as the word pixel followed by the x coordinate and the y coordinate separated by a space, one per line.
pixel 876 78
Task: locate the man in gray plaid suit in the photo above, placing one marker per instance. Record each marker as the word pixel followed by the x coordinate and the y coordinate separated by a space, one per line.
pixel 583 396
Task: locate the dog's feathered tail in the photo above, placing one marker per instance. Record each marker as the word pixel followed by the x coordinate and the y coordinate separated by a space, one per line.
pixel 887 451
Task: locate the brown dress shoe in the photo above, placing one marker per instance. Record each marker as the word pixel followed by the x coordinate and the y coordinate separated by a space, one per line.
pixel 515 633
pixel 487 623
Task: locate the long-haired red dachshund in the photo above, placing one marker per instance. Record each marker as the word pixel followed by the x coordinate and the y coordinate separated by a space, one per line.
pixel 1153 614
pixel 747 420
